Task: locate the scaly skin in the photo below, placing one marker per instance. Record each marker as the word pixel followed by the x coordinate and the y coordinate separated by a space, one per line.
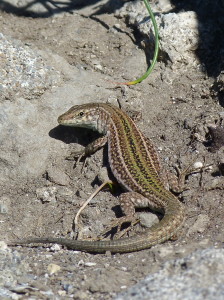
pixel 136 167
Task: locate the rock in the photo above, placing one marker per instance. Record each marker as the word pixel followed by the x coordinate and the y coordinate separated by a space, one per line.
pixel 103 175
pixel 179 36
pixel 30 149
pixel 162 6
pixel 81 194
pixel 12 266
pixel 90 264
pixel 197 165
pixel 46 194
pixel 3 246
pixel 199 276
pixel 147 219
pixel 62 293
pixel 118 279
pixel 53 268
pixel 4 204
pixel 56 175
pixel 200 225
pixel 55 247
pixel 80 295
pixel 23 71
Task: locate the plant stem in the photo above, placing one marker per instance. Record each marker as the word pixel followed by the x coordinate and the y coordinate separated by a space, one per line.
pixel 156 51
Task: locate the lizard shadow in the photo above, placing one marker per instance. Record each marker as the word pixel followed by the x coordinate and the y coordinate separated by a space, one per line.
pixel 70 135
pixel 81 136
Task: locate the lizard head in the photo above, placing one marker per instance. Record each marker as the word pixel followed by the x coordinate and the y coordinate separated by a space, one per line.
pixel 85 115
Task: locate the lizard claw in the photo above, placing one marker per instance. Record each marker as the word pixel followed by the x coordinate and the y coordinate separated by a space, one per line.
pixel 79 155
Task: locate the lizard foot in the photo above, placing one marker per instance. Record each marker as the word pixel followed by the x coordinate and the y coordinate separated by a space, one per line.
pixel 118 223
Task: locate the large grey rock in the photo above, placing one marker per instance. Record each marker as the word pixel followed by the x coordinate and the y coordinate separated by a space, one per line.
pixel 199 276
pixel 30 113
pixel 23 71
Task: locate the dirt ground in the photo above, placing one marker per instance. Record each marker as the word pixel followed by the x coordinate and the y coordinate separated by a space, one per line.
pixel 175 115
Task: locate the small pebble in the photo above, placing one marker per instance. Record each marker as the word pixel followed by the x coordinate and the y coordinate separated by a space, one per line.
pixel 62 293
pixel 99 67
pixel 46 194
pixel 200 225
pixel 81 194
pixel 103 175
pixel 3 209
pixel 55 175
pixel 3 246
pixel 4 204
pixel 147 219
pixel 90 264
pixel 53 268
pixel 80 295
pixel 197 165
pixel 55 247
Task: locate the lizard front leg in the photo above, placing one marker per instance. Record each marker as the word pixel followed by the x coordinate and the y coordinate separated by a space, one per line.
pixel 89 149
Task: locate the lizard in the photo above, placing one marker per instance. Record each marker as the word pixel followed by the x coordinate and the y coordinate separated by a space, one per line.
pixel 134 163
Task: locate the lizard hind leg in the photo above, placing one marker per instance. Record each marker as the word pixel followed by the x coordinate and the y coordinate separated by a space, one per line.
pixel 128 202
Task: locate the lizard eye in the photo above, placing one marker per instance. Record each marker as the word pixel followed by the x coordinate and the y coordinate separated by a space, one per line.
pixel 81 113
